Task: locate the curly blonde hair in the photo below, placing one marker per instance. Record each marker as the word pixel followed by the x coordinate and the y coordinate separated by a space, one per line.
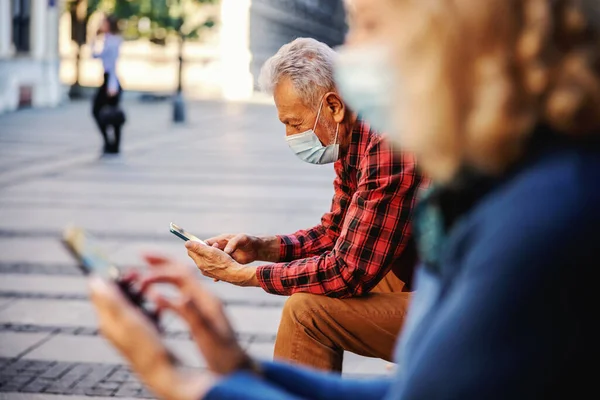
pixel 482 74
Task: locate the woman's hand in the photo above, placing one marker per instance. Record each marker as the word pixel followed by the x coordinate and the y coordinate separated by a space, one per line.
pixel 138 341
pixel 202 311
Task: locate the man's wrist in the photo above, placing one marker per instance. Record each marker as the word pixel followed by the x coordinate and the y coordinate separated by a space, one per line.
pixel 248 277
pixel 269 248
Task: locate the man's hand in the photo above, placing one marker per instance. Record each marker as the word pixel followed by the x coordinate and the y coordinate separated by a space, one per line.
pixel 202 311
pixel 245 248
pixel 219 265
pixel 139 343
pixel 111 92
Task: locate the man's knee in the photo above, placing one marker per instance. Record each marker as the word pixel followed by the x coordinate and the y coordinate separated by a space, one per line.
pixel 300 337
pixel 300 305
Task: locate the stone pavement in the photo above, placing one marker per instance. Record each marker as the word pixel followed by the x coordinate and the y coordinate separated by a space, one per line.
pixel 227 170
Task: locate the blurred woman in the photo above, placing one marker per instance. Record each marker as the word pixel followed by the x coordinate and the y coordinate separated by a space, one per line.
pixel 105 108
pixel 500 99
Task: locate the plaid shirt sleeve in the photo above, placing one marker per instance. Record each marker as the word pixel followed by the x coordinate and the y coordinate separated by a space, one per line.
pixel 321 238
pixel 375 231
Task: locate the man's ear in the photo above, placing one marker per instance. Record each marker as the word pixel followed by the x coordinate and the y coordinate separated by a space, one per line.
pixel 335 106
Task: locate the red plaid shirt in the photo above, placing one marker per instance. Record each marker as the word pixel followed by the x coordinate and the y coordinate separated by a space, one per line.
pixel 365 232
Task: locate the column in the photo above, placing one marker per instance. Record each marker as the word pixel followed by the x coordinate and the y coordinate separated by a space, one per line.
pixel 52 24
pixel 51 54
pixel 44 53
pixel 234 36
pixel 5 30
pixel 38 29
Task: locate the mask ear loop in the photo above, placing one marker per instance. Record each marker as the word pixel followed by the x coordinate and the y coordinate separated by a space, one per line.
pixel 337 129
pixel 337 149
pixel 318 114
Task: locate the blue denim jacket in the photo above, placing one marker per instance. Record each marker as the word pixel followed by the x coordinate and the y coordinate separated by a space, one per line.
pixel 506 305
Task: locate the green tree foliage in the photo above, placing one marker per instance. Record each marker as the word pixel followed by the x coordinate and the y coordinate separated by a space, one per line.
pixel 159 18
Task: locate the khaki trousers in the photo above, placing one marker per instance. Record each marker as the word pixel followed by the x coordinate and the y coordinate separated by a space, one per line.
pixel 315 330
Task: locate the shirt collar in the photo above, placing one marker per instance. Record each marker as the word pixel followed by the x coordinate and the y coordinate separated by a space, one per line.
pixel 359 141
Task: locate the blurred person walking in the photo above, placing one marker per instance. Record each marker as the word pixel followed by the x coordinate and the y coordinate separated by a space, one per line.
pixel 500 101
pixel 106 111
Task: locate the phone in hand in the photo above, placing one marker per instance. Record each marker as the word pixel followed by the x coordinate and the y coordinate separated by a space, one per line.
pixel 91 259
pixel 184 235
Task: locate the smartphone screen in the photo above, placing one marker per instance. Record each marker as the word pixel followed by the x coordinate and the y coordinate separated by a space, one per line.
pixel 183 234
pixel 89 254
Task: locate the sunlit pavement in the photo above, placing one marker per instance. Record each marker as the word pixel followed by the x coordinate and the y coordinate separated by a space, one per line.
pixel 228 169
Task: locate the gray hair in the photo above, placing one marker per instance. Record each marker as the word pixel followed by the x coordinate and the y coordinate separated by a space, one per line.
pixel 307 62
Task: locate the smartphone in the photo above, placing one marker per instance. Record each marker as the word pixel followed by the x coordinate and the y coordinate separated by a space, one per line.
pixel 92 259
pixel 183 234
pixel 90 256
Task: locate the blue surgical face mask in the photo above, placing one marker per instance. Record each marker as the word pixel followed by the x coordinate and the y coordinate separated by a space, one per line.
pixel 365 80
pixel 308 147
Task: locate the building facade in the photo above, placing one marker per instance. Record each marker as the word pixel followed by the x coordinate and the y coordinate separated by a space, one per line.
pixel 29 54
pixel 274 23
pixel 251 31
pixel 247 33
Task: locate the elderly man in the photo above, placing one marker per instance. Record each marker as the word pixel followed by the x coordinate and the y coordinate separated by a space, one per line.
pixel 349 276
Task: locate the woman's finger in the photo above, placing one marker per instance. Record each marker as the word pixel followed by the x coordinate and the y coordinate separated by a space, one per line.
pixel 156 259
pixel 185 307
pixel 131 275
pixel 163 302
pixel 171 277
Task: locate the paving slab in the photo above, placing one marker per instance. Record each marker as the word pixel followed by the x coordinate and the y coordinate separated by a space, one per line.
pixel 358 365
pixel 65 286
pixel 255 320
pixel 193 205
pixel 248 320
pixel 95 349
pixel 43 284
pixel 13 344
pixel 109 221
pixel 69 379
pixel 232 293
pixel 248 190
pixel 5 302
pixel 33 250
pixel 77 313
pixel 75 285
pixel 92 349
pixel 262 351
pixel 39 396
